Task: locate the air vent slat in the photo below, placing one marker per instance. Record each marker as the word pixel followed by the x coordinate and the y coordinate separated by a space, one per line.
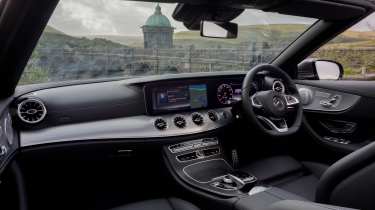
pixel 179 122
pixel 160 124
pixel 197 119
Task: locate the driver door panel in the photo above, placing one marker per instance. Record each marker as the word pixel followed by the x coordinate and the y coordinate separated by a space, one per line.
pixel 338 113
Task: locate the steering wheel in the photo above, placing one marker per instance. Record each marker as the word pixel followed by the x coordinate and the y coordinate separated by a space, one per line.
pixel 272 112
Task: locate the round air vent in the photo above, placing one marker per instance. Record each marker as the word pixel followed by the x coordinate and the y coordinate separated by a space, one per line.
pixel 179 121
pixel 160 124
pixel 31 111
pixel 212 115
pixel 197 119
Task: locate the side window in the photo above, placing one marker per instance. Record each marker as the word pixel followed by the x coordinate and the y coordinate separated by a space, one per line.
pixel 354 50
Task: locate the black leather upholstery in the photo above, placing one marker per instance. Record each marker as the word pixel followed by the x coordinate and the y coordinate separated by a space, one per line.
pixel 299 205
pixel 300 178
pixel 350 181
pixel 271 168
pixel 159 204
pixel 263 199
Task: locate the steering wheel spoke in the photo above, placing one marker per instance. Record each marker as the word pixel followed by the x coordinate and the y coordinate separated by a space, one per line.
pixel 255 102
pixel 278 125
pixel 291 101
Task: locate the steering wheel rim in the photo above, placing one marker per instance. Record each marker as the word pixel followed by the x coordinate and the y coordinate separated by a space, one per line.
pixel 249 104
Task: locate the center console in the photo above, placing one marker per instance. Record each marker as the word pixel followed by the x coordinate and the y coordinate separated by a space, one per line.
pixel 202 163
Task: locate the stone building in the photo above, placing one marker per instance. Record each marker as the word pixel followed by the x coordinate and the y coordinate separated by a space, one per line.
pixel 157 31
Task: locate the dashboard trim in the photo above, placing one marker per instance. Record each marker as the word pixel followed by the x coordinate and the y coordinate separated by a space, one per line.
pixel 137 127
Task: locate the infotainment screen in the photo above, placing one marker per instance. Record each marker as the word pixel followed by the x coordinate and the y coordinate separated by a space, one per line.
pixel 179 97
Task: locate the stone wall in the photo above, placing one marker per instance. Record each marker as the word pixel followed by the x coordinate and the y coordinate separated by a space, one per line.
pixel 63 64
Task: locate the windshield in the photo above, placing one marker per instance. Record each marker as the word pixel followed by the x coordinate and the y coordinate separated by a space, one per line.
pixel 88 39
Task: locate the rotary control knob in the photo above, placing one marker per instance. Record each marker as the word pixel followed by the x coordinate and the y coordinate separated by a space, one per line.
pixel 197 119
pixel 306 95
pixel 179 122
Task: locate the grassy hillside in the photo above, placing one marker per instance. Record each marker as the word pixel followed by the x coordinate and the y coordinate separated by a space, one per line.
pixel 353 40
pixel 277 34
pixel 134 41
pixel 258 33
pixel 53 38
pixel 246 34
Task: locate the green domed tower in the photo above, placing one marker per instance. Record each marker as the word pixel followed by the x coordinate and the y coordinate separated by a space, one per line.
pixel 158 32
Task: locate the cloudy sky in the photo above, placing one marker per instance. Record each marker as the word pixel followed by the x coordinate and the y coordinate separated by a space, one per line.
pixel 119 17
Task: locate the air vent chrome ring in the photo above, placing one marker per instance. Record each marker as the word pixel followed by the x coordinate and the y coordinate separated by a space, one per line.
pixel 160 124
pixel 31 111
pixel 179 121
pixel 197 118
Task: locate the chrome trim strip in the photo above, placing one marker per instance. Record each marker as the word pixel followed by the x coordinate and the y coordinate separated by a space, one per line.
pixel 137 127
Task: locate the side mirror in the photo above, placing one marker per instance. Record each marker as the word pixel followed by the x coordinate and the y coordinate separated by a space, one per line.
pixel 320 70
pixel 225 30
pixel 330 70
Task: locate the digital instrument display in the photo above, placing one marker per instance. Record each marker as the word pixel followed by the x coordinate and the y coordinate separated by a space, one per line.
pixel 179 97
pixel 229 93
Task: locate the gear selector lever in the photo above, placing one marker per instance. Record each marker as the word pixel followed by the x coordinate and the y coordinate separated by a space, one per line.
pixel 236 180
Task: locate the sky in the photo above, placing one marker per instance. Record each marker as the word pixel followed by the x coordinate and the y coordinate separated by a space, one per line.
pixel 119 17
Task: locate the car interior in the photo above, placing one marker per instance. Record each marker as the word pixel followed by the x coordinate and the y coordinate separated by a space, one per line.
pixel 275 135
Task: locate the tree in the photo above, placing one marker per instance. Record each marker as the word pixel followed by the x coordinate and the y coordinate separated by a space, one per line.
pixel 34 75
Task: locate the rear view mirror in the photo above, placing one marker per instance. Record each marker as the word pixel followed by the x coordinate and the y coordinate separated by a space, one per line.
pixel 329 70
pixel 225 30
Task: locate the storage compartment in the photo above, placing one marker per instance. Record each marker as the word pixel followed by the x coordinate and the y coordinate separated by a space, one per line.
pixel 206 171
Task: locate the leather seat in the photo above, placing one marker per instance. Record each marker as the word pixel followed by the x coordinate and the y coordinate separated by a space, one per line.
pixel 349 182
pixel 300 178
pixel 159 204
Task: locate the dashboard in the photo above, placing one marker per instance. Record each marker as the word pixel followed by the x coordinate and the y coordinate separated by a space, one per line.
pixel 141 109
